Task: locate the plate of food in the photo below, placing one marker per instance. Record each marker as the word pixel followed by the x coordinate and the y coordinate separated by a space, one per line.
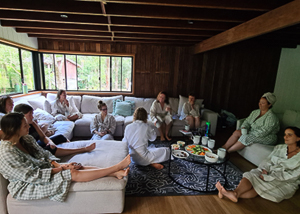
pixel 180 154
pixel 197 150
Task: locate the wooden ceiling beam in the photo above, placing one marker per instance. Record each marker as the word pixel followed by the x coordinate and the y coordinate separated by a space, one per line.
pixel 257 5
pixel 180 13
pixel 284 16
pixel 51 17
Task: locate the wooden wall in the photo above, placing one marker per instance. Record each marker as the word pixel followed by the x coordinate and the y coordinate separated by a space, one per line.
pixel 231 78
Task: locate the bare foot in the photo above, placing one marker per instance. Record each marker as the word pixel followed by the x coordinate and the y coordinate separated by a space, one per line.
pixel 168 138
pixel 219 187
pixel 229 194
pixel 121 173
pixel 90 148
pixel 162 138
pixel 157 166
pixel 125 162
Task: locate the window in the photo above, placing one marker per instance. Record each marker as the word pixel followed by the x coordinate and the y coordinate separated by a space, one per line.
pixel 15 65
pixel 88 73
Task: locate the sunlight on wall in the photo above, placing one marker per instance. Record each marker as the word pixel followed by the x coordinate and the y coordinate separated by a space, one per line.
pixel 287 86
pixel 10 34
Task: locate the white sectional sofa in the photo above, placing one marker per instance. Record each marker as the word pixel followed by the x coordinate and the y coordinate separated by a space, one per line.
pixel 256 152
pixel 87 105
pixel 104 195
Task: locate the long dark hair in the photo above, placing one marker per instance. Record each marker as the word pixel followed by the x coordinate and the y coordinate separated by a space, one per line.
pixel 23 108
pixel 11 125
pixel 3 100
pixel 166 95
pixel 296 131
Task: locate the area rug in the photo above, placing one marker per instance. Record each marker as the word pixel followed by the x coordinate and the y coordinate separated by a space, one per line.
pixel 147 181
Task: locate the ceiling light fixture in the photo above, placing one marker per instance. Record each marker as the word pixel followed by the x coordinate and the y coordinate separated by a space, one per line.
pixel 190 22
pixel 63 16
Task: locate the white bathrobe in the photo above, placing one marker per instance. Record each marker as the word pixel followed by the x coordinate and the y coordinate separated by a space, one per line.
pixel 136 136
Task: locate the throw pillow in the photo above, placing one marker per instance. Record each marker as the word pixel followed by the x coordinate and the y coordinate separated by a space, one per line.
pixel 72 104
pixel 183 100
pixel 40 114
pixel 123 108
pixel 47 106
pixel 38 102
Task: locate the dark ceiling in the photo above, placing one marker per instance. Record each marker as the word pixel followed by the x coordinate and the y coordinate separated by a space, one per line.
pixel 185 22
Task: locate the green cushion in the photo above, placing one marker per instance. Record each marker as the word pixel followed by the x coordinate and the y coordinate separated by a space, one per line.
pixel 123 108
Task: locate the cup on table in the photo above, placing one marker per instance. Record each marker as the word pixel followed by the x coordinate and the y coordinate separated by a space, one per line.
pixel 211 143
pixel 221 153
pixel 244 131
pixel 196 139
pixel 187 127
pixel 204 140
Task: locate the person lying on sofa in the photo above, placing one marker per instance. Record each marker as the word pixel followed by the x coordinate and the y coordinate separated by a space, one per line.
pixel 191 112
pixel 262 126
pixel 46 142
pixel 103 126
pixel 277 178
pixel 33 172
pixel 137 135
pixel 6 106
pixel 61 108
pixel 160 113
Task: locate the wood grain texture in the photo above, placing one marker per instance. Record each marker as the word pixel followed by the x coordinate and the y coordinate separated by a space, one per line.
pixel 231 78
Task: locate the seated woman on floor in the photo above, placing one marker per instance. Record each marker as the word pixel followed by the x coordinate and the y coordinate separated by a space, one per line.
pixel 160 113
pixel 6 106
pixel 33 172
pixel 276 178
pixel 45 142
pixel 262 126
pixel 61 108
pixel 103 126
pixel 137 135
pixel 190 112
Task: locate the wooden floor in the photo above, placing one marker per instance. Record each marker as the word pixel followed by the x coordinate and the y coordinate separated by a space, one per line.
pixel 211 203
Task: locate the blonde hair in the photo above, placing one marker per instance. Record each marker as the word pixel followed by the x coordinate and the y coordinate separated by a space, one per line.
pixel 101 104
pixel 140 114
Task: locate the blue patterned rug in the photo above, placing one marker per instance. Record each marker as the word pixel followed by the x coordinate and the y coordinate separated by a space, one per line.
pixel 147 181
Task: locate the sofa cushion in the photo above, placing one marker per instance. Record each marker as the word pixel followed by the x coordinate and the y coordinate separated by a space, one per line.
pixel 123 108
pixel 22 101
pixel 148 103
pixel 37 102
pixel 174 102
pixel 64 128
pixel 41 114
pixel 89 104
pixel 139 102
pixel 183 100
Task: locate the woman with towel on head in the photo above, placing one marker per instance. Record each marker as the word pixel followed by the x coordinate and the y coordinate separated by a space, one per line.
pixel 104 125
pixel 277 178
pixel 62 109
pixel 137 135
pixel 160 113
pixel 262 126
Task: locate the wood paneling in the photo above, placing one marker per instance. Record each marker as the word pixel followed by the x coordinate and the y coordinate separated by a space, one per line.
pixel 231 78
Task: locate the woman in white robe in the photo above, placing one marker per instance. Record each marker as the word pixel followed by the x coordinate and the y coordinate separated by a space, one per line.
pixel 262 126
pixel 160 113
pixel 191 112
pixel 277 178
pixel 104 125
pixel 62 109
pixel 137 135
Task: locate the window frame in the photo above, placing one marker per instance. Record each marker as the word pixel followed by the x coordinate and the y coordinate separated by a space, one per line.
pixel 78 91
pixel 19 49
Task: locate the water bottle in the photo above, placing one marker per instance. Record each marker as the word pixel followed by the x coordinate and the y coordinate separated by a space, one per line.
pixel 207 129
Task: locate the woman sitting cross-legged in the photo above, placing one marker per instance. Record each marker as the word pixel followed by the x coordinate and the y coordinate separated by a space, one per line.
pixel 103 126
pixel 33 173
pixel 276 178
pixel 62 110
pixel 137 135
pixel 191 112
pixel 45 142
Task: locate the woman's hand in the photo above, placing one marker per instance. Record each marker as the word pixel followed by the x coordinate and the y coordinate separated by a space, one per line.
pixel 72 165
pixel 51 144
pixel 66 102
pixel 264 172
pixel 261 177
pixel 168 108
pixel 56 170
pixel 49 133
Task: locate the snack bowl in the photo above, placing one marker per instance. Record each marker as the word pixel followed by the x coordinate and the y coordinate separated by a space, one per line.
pixel 180 154
pixel 175 146
pixel 211 157
pixel 181 143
